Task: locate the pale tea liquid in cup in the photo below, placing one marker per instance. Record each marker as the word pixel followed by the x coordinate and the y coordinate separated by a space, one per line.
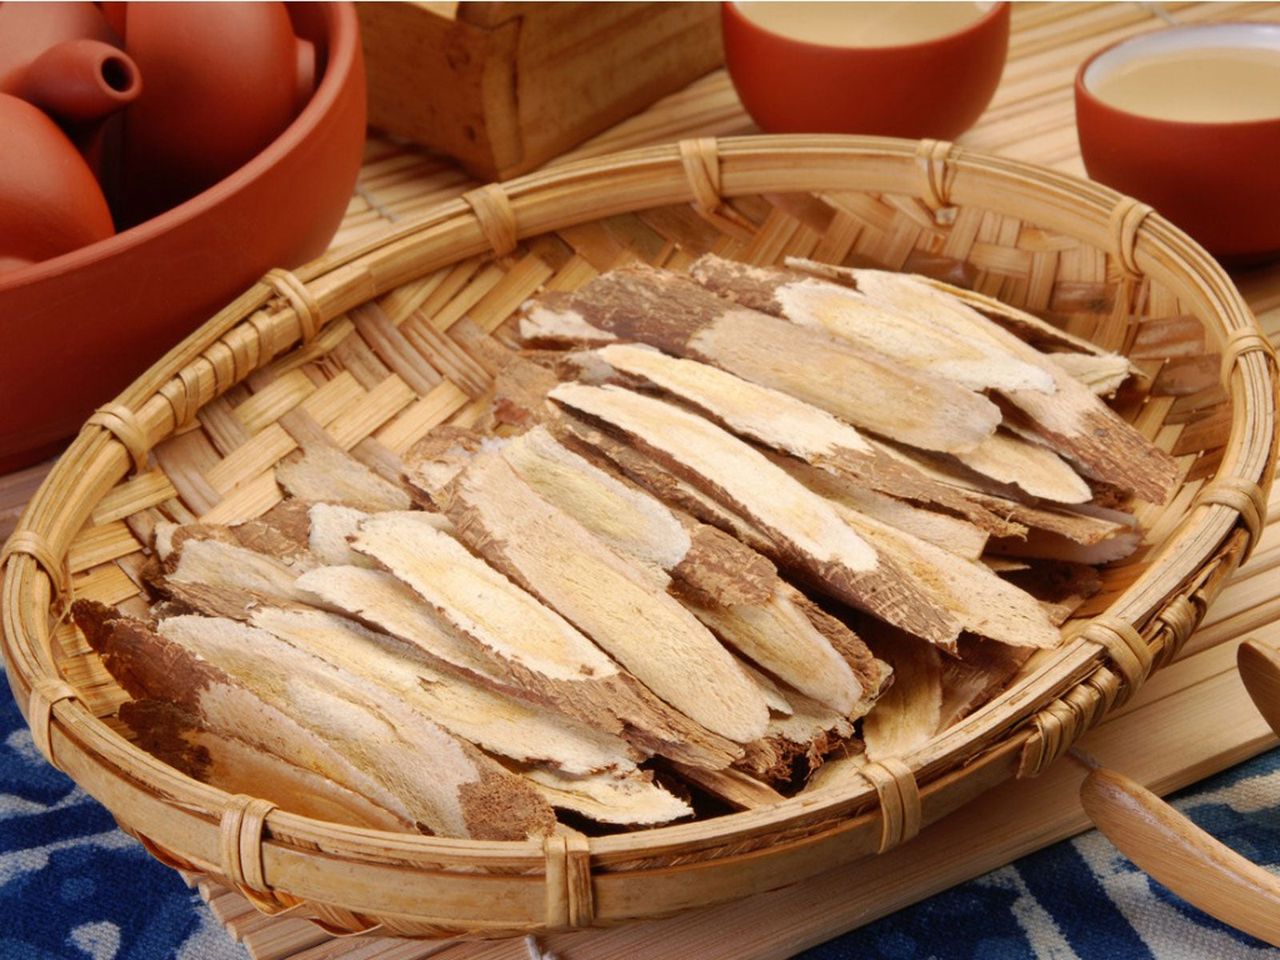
pixel 1196 85
pixel 862 24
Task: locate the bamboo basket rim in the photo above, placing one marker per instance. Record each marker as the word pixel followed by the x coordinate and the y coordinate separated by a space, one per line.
pixel 286 309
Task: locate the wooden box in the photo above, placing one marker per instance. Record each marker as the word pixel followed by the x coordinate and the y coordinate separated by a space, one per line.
pixel 503 87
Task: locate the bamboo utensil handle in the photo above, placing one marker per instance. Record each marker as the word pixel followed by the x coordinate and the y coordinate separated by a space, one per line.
pixel 1259 667
pixel 1175 851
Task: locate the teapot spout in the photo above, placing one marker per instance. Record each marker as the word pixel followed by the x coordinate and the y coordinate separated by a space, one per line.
pixel 80 81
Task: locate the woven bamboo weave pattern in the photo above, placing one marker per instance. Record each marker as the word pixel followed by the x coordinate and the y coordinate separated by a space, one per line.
pixel 371 349
pixel 1030 119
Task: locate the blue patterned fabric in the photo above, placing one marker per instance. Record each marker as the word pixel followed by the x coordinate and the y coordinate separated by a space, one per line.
pixel 1081 898
pixel 72 887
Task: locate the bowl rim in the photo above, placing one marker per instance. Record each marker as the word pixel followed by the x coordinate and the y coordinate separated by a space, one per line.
pixel 343 38
pixel 998 8
pixel 1084 93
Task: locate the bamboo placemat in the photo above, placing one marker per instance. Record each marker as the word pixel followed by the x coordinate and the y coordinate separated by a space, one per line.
pixel 1189 721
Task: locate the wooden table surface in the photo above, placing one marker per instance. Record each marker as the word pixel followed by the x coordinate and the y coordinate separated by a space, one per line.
pixel 1190 720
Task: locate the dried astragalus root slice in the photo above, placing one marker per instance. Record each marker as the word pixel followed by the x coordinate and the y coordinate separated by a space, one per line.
pixel 728 586
pixel 242 682
pixel 847 314
pixel 554 557
pixel 790 426
pixel 529 645
pixel 806 531
pixel 628 799
pixel 910 711
pixel 330 474
pixel 1070 418
pixel 175 736
pixel 861 386
pixel 478 714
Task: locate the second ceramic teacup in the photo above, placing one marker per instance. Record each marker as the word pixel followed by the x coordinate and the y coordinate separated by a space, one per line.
pixel 1188 120
pixel 893 69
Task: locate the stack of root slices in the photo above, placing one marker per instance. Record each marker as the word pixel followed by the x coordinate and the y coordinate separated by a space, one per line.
pixel 722 537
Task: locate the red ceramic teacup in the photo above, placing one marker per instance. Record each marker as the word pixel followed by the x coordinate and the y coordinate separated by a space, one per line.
pixel 856 83
pixel 1215 175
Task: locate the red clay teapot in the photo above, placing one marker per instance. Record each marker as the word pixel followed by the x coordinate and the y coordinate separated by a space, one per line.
pixel 222 81
pixel 50 202
pixel 66 60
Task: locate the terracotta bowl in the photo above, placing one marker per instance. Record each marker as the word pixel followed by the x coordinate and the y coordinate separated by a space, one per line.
pixel 935 88
pixel 76 329
pixel 1218 181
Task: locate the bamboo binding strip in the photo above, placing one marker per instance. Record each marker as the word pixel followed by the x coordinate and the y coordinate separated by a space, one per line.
pixel 1065 720
pixel 372 347
pixel 34 545
pixel 899 797
pixel 240 832
pixel 496 218
pixel 297 295
pixel 1181 616
pixel 1127 219
pixel 119 420
pixel 570 902
pixel 1126 649
pixel 1241 341
pixel 1244 497
pixel 935 178
pixel 45 694
pixel 701 160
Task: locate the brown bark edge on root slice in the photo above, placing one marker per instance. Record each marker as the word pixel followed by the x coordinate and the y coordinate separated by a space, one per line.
pixel 1071 419
pixel 804 529
pixel 677 316
pixel 790 426
pixel 839 310
pixel 530 645
pixel 467 709
pixel 548 553
pixel 174 736
pixel 234 697
pixel 728 586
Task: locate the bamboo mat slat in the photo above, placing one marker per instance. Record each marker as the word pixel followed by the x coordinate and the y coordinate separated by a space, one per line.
pixel 1203 719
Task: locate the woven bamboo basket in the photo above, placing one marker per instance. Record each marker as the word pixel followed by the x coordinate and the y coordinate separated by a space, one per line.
pixel 199 434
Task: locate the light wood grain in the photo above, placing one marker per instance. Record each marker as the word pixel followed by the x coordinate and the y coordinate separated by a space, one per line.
pixel 1174 850
pixel 1260 670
